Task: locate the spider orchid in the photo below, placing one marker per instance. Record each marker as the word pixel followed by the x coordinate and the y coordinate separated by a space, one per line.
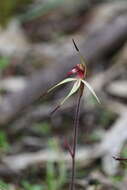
pixel 79 72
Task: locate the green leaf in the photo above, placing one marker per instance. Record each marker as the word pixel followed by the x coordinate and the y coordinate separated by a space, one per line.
pixel 91 90
pixel 62 82
pixel 73 90
pixel 4 62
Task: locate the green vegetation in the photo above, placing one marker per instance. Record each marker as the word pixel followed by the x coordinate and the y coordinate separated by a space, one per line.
pixel 10 8
pixel 4 186
pixel 43 128
pixel 55 173
pixel 117 178
pixel 27 186
pixel 4 145
pixel 106 117
pixel 124 152
pixel 54 180
pixel 4 62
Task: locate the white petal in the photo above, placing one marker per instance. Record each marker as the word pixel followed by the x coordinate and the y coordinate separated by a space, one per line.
pixel 91 90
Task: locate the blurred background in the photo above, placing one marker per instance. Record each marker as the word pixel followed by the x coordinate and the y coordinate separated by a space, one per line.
pixel 36 52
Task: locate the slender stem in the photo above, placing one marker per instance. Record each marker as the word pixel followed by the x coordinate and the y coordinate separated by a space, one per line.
pixel 76 124
pixel 120 159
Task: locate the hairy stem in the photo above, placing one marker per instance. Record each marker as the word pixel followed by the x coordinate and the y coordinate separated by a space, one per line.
pixel 75 135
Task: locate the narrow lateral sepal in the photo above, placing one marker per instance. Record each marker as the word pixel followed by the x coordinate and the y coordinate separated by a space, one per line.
pixel 74 89
pixel 60 83
pixel 91 90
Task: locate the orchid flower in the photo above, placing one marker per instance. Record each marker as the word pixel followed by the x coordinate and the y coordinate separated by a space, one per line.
pixel 79 72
